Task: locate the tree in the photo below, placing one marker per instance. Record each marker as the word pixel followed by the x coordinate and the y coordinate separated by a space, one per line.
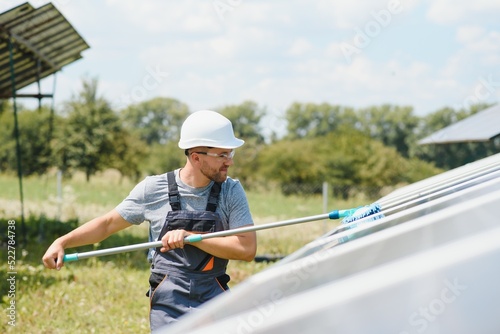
pixel 246 119
pixel 392 125
pixel 34 127
pixel 86 141
pixel 313 120
pixel 8 147
pixel 448 156
pixel 130 154
pixel 4 106
pixel 158 120
pixel 345 158
pixel 163 158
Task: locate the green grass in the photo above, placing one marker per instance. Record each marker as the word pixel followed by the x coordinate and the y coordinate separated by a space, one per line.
pixel 107 294
pixel 106 188
pixel 98 297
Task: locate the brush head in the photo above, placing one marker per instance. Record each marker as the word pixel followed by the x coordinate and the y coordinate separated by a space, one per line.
pixel 372 210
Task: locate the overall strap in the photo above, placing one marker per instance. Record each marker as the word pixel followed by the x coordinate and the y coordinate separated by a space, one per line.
pixel 175 198
pixel 204 220
pixel 173 192
pixel 213 198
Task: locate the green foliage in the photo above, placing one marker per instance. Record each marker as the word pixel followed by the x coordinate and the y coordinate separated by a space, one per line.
pixel 107 294
pixel 93 298
pixel 392 125
pixel 246 119
pixel 87 139
pixel 8 147
pixel 416 170
pixel 34 140
pixel 373 147
pixel 129 155
pixel 313 120
pixel 344 158
pixel 246 163
pixel 39 228
pixel 5 106
pixel 163 158
pixel 100 294
pixel 158 120
pixel 448 156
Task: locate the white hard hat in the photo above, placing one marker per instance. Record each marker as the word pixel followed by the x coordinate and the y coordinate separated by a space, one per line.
pixel 208 128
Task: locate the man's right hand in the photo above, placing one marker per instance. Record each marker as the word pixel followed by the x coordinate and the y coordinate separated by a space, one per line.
pixel 89 233
pixel 53 258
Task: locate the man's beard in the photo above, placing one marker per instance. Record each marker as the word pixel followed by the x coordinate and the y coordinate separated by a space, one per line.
pixel 213 174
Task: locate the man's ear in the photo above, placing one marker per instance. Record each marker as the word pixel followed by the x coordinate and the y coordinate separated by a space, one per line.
pixel 194 157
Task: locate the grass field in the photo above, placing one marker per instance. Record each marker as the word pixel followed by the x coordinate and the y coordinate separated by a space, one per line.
pixel 107 294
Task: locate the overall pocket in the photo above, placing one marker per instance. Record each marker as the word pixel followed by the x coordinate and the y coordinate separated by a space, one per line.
pixel 154 280
pixel 223 280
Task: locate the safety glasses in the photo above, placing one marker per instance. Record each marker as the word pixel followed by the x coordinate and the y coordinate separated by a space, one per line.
pixel 221 156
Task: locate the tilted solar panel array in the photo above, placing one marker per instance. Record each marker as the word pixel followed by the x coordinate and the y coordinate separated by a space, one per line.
pixel 480 127
pixel 429 265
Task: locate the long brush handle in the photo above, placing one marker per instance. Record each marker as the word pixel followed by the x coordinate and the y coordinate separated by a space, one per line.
pixel 336 214
pixel 332 215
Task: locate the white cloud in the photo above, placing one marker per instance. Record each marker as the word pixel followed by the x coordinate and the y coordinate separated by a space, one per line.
pixel 479 52
pixel 277 52
pixel 223 47
pixel 468 34
pixel 160 16
pixel 334 51
pixel 218 52
pixel 452 11
pixel 348 14
pixel 299 47
pixel 480 41
pixel 256 12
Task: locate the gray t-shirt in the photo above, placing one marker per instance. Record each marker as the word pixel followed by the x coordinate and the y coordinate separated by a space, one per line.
pixel 148 201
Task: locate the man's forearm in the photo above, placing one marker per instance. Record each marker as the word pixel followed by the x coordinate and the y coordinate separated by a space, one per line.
pixel 235 247
pixel 94 231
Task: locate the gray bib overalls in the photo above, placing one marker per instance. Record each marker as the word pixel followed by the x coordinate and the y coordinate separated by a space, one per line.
pixel 183 279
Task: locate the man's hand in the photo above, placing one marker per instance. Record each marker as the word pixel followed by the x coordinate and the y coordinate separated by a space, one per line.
pixel 89 233
pixel 53 258
pixel 173 239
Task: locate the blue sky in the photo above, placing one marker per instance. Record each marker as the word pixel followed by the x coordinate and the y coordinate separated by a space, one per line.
pixel 422 53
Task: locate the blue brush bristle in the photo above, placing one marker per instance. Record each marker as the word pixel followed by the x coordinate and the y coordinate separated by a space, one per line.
pixel 372 210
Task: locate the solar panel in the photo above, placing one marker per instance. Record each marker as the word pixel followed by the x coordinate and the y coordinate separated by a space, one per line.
pixel 480 127
pixel 434 233
pixel 42 42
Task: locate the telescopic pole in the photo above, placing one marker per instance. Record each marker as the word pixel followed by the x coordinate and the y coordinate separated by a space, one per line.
pixel 336 214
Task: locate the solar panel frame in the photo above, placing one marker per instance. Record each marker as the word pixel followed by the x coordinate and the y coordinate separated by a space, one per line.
pixel 42 42
pixel 480 127
pixel 463 205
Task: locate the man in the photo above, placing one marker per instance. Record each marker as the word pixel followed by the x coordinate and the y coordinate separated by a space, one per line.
pixel 197 198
